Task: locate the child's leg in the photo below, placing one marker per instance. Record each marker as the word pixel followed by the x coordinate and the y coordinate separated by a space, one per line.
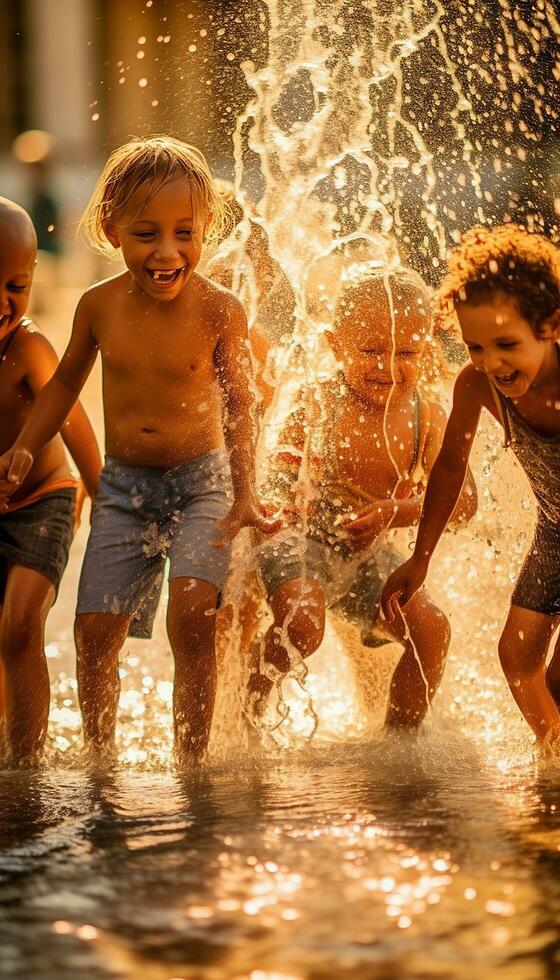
pixel 298 607
pixel 191 627
pixel 99 639
pixel 523 649
pixel 553 673
pixel 29 596
pixel 420 669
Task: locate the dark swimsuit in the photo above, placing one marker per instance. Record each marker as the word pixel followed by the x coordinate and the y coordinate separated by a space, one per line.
pixel 538 585
pixel 39 534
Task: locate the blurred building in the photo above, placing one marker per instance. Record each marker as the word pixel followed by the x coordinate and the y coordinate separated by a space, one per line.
pixel 93 73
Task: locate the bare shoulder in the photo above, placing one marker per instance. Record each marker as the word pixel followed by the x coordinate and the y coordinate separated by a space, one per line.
pixel 31 346
pixel 219 301
pixel 472 387
pixel 100 293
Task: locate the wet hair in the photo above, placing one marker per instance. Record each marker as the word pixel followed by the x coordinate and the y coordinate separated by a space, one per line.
pixel 226 190
pixel 505 259
pixel 373 279
pixel 153 162
pixel 403 283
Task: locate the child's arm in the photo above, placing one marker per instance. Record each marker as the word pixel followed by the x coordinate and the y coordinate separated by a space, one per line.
pixel 443 490
pixel 41 363
pixel 233 363
pixel 53 404
pixel 79 438
pixel 405 512
pixel 467 503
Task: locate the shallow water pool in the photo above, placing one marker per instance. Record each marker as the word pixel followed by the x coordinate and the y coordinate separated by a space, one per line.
pixel 411 857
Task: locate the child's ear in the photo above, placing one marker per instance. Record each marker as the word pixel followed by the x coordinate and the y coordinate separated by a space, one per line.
pixel 111 234
pixel 550 329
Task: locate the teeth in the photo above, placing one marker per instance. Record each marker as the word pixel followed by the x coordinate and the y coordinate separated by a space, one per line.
pixel 165 275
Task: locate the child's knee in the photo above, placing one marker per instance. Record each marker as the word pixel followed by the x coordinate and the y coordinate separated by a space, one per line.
pixel 428 622
pixel 299 608
pixel 515 658
pixel 20 629
pixel 191 616
pixel 99 634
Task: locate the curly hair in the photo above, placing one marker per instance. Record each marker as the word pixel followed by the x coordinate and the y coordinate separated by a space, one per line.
pixel 152 162
pixel 505 259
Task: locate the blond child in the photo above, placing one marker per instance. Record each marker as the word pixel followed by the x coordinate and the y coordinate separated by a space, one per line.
pixel 370 441
pixel 37 527
pixel 503 284
pixel 176 381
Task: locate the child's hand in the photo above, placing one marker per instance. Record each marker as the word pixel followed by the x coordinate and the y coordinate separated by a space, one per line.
pixel 246 512
pixel 401 586
pixel 14 467
pixel 370 523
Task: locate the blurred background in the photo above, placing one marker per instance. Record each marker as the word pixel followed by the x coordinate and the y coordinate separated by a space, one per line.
pixel 79 77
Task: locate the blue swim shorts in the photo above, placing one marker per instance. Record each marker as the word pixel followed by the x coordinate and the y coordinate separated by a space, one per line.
pixel 143 516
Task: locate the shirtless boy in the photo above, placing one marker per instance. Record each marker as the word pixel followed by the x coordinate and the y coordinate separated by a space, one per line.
pixel 175 360
pixel 372 438
pixel 36 530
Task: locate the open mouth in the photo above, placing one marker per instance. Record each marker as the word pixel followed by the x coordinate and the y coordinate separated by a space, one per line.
pixel 505 380
pixel 165 277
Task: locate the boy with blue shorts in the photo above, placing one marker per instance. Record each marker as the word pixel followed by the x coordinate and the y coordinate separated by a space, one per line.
pixel 176 380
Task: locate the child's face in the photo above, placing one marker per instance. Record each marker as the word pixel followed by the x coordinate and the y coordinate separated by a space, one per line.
pixel 161 238
pixel 17 262
pixel 503 345
pixel 375 356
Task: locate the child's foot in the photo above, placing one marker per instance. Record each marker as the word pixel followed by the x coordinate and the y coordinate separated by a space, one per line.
pixel 99 757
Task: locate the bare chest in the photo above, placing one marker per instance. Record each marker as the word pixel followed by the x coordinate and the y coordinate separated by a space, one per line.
pixel 157 356
pixel 368 453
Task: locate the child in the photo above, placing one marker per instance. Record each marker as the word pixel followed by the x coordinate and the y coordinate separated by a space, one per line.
pixel 504 285
pixel 36 530
pixel 372 407
pixel 174 354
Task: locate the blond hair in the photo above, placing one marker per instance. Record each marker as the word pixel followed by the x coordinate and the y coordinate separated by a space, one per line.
pixel 505 259
pixel 153 161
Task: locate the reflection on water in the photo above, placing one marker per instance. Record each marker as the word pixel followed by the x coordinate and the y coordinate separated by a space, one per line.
pixel 405 858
